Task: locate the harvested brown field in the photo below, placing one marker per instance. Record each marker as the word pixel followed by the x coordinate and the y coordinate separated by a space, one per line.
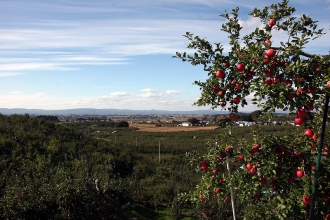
pixel 154 128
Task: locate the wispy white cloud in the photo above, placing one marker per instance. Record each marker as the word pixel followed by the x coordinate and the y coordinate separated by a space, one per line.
pixel 119 94
pixel 15 92
pixel 40 94
pixel 149 90
pixel 171 92
pixel 5 74
pixel 111 41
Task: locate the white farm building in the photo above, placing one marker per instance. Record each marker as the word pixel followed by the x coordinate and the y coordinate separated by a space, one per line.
pixel 186 124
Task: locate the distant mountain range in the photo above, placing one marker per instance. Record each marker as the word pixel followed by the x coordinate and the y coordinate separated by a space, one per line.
pixel 93 111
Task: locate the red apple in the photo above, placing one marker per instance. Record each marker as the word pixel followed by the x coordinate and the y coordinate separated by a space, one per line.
pixel 291 180
pixel 325 198
pixel 271 22
pixel 317 68
pixel 228 150
pixel 315 137
pixel 267 59
pixel 248 77
pixel 314 168
pixel 270 53
pixel 290 96
pixel 300 91
pixel 202 198
pixel 222 103
pixel 300 173
pixel 218 159
pixel 240 67
pixel 221 92
pixel 328 84
pixel 301 112
pixel 327 216
pixel 238 86
pixel 311 89
pixel 310 106
pixel 253 170
pixel 262 180
pixel 220 74
pixel 232 117
pixel 299 121
pixel 222 181
pixel 326 149
pixel 215 171
pixel 295 154
pixel 217 190
pixel 288 82
pixel 309 133
pixel 204 165
pixel 269 81
pixel 249 166
pixel 216 89
pixel 268 72
pixel 276 80
pixel 256 196
pixel 255 148
pixel 268 42
pixel 306 200
pixel 274 64
pixel 236 100
pixel 226 64
pixel 299 79
pixel 240 157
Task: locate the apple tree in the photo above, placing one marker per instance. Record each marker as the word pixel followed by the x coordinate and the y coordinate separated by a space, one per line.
pixel 282 177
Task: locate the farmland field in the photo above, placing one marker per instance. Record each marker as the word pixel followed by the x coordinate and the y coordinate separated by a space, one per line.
pixel 154 128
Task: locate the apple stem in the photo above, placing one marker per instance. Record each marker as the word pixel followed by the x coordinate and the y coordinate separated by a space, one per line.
pixel 318 159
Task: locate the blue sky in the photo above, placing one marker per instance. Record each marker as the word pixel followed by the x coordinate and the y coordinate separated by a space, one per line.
pixel 62 54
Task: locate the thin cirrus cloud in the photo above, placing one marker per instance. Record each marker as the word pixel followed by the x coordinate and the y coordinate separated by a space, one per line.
pixel 110 40
pixel 15 92
pixel 104 42
pixel 173 92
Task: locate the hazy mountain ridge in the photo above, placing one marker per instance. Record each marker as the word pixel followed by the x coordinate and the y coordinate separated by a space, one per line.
pixel 93 111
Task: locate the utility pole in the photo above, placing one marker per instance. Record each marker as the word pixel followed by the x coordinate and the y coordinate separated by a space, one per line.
pixel 159 151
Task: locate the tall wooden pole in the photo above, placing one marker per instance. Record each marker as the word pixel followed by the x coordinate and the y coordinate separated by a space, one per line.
pixel 231 191
pixel 159 152
pixel 318 159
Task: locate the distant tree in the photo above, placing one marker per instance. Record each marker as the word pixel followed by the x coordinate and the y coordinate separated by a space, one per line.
pixel 124 124
pixel 256 114
pixel 49 117
pixel 245 117
pixel 193 120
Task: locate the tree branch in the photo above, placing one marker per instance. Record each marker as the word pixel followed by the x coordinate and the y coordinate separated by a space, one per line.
pixel 301 53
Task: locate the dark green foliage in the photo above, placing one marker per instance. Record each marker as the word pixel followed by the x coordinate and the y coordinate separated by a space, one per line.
pixel 49 117
pixel 49 171
pixel 122 124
